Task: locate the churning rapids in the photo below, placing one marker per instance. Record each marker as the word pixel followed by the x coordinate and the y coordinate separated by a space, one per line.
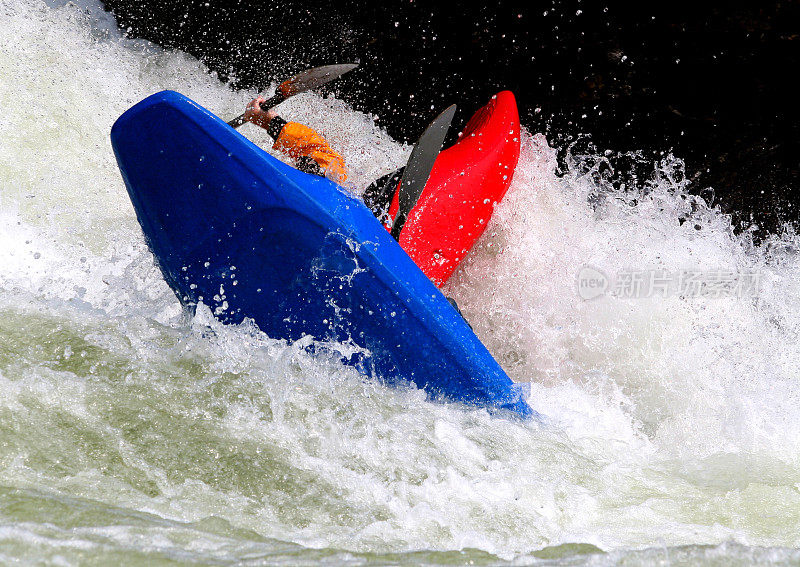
pixel 131 433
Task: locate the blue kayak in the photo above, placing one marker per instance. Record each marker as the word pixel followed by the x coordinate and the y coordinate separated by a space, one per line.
pixel 251 237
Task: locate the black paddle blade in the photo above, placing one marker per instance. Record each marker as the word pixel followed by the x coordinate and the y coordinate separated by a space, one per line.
pixel 313 78
pixel 307 80
pixel 420 165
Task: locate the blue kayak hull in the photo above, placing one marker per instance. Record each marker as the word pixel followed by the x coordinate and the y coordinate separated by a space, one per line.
pixel 251 237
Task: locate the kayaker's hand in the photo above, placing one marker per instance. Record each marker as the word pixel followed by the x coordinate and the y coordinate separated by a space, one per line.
pixel 256 115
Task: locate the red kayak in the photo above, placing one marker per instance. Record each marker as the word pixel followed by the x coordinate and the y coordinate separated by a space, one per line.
pixel 467 181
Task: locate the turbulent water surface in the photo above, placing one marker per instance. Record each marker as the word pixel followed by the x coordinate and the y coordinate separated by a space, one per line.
pixel 132 433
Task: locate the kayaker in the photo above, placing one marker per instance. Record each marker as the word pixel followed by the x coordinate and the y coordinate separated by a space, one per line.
pixel 313 154
pixel 310 151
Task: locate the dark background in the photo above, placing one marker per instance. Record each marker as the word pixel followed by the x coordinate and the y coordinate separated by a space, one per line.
pixel 706 81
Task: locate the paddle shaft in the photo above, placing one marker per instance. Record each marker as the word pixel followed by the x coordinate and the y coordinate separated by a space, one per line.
pixel 266 105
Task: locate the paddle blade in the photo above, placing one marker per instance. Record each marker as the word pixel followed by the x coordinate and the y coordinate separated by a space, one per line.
pixel 419 166
pixel 313 78
pixel 301 82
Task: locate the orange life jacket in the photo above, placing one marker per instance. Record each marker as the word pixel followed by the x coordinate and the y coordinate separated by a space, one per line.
pixel 299 142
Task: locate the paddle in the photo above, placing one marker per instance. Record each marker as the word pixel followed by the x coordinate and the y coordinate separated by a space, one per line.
pixel 420 165
pixel 302 82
